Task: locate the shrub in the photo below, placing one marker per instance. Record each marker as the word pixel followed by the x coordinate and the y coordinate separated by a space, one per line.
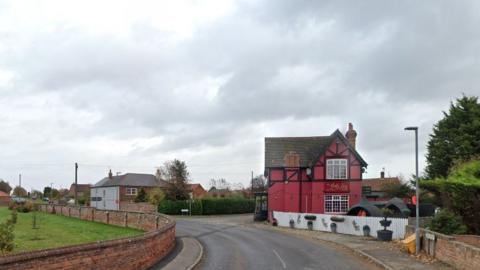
pixel 6 234
pixel 460 192
pixel 22 206
pixel 447 223
pixel 208 206
pixel 175 207
pixel 156 196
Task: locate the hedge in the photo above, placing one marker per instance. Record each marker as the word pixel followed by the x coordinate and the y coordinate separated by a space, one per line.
pixel 175 207
pixel 208 206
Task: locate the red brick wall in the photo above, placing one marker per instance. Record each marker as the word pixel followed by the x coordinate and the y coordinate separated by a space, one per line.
pixel 473 240
pixel 137 207
pixel 449 250
pixel 4 200
pixel 139 252
pixel 130 198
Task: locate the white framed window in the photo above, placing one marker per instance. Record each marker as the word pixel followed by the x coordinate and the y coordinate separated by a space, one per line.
pixel 336 204
pixel 337 168
pixel 131 191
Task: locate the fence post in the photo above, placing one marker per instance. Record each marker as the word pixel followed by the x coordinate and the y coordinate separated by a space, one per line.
pixel 126 219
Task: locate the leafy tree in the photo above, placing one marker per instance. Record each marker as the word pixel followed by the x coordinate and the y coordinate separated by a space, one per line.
pixel 156 196
pixel 19 192
pixel 455 138
pixel 141 196
pixel 84 198
pixel 5 187
pixel 176 174
pixel 55 194
pixel 219 184
pixel 259 183
pixel 460 193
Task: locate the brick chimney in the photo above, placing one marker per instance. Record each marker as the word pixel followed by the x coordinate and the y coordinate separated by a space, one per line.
pixel 351 135
pixel 291 159
pixel 110 174
pixel 382 174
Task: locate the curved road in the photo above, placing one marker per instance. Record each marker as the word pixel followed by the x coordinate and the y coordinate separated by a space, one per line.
pixel 231 244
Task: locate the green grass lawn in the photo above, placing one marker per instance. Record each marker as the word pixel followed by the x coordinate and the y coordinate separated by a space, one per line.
pixel 57 231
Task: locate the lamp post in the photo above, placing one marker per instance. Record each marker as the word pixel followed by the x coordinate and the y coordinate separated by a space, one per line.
pixel 417 203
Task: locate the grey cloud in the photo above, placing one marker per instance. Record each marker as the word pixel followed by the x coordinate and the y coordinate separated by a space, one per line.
pixel 380 65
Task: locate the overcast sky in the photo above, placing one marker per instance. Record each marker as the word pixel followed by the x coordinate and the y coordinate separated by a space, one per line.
pixel 130 85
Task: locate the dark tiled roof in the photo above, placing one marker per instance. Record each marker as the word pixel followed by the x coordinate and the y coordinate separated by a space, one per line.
pixel 132 179
pixel 308 148
pixel 377 184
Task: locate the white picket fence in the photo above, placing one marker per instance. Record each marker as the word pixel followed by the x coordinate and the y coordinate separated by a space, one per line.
pixel 350 225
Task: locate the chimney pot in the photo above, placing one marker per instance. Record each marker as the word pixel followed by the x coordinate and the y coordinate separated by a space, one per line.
pixel 110 174
pixel 351 135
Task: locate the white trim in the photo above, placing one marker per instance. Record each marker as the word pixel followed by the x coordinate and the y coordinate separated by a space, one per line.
pixel 332 166
pixel 340 200
pixel 130 191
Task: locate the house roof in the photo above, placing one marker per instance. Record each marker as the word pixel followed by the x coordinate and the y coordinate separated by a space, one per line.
pixel 377 184
pixel 132 179
pixel 3 194
pixel 80 187
pixel 194 186
pixel 309 149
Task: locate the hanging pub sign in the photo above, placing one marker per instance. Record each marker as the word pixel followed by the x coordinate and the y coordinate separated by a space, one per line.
pixel 337 187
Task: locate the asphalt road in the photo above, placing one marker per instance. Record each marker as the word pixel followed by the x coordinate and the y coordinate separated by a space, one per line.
pixel 231 245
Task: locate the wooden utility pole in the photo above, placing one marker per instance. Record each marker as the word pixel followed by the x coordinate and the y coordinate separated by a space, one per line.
pixel 76 180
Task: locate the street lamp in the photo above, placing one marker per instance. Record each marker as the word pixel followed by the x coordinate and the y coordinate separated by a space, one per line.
pixel 417 197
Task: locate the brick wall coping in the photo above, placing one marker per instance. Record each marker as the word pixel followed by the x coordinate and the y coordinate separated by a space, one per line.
pixel 43 258
pixel 35 254
pixel 449 238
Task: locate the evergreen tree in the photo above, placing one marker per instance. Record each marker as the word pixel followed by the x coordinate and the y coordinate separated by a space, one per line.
pixel 141 196
pixel 455 138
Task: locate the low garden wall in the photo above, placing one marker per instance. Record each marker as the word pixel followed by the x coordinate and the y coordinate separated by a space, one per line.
pixel 138 252
pixel 449 249
pixel 348 225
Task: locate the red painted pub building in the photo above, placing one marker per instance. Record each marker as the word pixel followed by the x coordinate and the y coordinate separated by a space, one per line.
pixel 321 174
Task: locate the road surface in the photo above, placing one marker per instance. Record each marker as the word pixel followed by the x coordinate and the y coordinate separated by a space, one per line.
pixel 232 244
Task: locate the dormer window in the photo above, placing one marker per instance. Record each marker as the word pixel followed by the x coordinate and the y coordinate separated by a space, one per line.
pixel 337 168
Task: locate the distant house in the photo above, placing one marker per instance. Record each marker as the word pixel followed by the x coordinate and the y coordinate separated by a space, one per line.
pixel 374 188
pixel 116 192
pixel 82 190
pixel 4 198
pixel 197 190
pixel 219 192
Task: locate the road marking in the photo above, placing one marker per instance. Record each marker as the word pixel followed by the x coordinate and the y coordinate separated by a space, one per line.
pixel 280 258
